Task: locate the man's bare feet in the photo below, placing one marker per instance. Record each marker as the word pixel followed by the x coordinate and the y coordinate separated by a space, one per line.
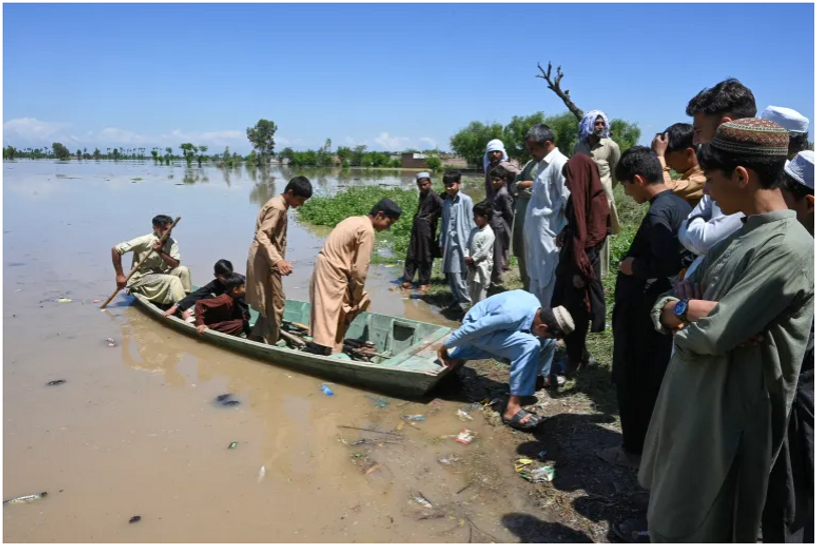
pixel 406 285
pixel 424 288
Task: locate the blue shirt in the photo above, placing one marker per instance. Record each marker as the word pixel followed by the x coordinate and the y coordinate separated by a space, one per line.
pixel 505 312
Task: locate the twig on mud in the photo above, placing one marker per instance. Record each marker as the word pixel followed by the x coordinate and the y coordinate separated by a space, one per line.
pixel 371 430
pixel 475 527
pixel 464 488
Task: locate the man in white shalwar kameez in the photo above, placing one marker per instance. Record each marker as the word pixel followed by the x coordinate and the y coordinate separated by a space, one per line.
pixel 545 216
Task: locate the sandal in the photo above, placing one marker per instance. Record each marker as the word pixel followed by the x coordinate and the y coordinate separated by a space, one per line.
pixel 515 421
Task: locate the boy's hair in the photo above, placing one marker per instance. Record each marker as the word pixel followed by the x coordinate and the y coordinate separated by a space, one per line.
pixel 679 137
pixel 161 220
pixel 452 176
pixel 769 169
pixel 549 319
pixel 232 281
pixel 300 186
pixel 730 97
pixel 484 209
pixel 541 133
pixel 498 172
pixel 642 161
pixel 797 142
pixel 222 267
pixel 388 207
pixel 797 190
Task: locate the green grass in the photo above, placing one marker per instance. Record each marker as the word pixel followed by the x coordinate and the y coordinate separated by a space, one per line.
pixel 358 201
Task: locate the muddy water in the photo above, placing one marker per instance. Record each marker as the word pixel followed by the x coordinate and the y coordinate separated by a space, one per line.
pixel 134 431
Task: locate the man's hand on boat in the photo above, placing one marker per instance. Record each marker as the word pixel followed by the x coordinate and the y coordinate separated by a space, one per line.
pixel 121 281
pixel 284 268
pixel 445 359
pixel 200 329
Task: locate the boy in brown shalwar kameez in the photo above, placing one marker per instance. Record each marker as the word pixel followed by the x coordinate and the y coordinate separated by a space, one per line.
pixel 267 263
pixel 336 290
pixel 223 313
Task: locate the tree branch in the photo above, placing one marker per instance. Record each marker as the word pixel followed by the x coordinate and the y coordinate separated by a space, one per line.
pixel 555 86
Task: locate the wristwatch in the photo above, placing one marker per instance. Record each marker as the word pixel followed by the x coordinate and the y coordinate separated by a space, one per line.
pixel 680 310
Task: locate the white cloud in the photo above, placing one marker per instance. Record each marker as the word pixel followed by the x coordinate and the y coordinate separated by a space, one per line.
pixel 392 143
pixel 352 141
pixel 26 131
pixel 432 143
pixel 29 130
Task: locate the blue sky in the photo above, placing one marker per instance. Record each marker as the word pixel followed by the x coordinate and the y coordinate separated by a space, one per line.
pixel 389 76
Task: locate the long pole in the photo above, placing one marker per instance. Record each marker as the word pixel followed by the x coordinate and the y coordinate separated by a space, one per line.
pixel 142 261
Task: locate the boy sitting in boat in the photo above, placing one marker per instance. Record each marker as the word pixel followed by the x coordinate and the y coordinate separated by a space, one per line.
pixel 510 327
pixel 221 270
pixel 223 313
pixel 161 279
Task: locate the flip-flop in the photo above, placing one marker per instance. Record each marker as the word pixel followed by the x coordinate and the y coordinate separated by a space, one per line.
pixel 515 421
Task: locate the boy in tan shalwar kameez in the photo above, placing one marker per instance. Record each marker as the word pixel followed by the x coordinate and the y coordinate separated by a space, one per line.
pixel 267 263
pixel 336 290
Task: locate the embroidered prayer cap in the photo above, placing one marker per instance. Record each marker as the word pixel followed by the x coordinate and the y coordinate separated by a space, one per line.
pixel 752 136
pixel 801 168
pixel 564 319
pixel 791 120
pixel 422 175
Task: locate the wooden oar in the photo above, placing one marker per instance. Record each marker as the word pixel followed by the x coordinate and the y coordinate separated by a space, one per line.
pixel 138 265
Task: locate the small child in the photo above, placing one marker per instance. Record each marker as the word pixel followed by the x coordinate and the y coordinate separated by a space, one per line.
pixel 221 270
pixel 223 313
pixel 501 222
pixel 479 255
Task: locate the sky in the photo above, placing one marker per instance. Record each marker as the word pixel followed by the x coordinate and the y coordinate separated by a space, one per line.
pixel 389 76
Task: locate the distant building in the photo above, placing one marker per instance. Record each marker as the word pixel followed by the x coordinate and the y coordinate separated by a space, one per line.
pixel 413 160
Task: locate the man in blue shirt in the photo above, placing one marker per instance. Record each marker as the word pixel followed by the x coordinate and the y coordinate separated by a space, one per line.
pixel 509 327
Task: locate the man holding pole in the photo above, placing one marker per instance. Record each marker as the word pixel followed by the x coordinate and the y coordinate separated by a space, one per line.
pixel 160 279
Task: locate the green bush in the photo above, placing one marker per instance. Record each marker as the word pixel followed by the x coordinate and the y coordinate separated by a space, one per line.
pixel 358 201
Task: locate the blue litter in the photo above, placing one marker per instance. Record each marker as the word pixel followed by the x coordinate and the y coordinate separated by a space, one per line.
pixel 326 391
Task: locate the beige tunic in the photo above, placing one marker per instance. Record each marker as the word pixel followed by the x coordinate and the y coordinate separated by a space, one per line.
pixel 155 279
pixel 265 291
pixel 336 289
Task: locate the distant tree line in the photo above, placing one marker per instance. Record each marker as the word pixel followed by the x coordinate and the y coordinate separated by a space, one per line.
pixel 470 142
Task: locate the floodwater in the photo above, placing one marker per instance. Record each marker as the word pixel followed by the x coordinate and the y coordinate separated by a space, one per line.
pixel 134 430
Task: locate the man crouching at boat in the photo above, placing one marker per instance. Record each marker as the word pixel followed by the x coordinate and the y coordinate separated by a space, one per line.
pixel 336 289
pixel 161 279
pixel 509 327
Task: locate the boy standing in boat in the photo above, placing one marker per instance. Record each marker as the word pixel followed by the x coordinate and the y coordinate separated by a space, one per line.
pixel 161 279
pixel 267 263
pixel 420 255
pixel 223 313
pixel 336 289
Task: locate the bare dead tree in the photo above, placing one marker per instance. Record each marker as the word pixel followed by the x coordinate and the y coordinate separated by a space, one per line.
pixel 555 86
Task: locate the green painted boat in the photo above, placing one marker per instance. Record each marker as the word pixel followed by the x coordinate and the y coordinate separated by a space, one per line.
pixel 411 370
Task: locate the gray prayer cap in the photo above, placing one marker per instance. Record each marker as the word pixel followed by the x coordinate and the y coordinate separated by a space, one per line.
pixel 801 168
pixel 422 175
pixel 791 120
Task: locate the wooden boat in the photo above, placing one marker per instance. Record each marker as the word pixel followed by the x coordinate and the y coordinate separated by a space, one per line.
pixel 410 370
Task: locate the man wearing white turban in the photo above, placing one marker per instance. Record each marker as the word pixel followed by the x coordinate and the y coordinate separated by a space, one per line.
pixel 794 122
pixel 495 155
pixel 595 141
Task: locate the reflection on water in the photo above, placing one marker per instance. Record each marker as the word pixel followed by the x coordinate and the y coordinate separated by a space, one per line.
pixel 133 430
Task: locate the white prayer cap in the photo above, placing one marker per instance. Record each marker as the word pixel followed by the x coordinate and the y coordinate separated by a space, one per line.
pixel 564 319
pixel 791 120
pixel 801 168
pixel 422 175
